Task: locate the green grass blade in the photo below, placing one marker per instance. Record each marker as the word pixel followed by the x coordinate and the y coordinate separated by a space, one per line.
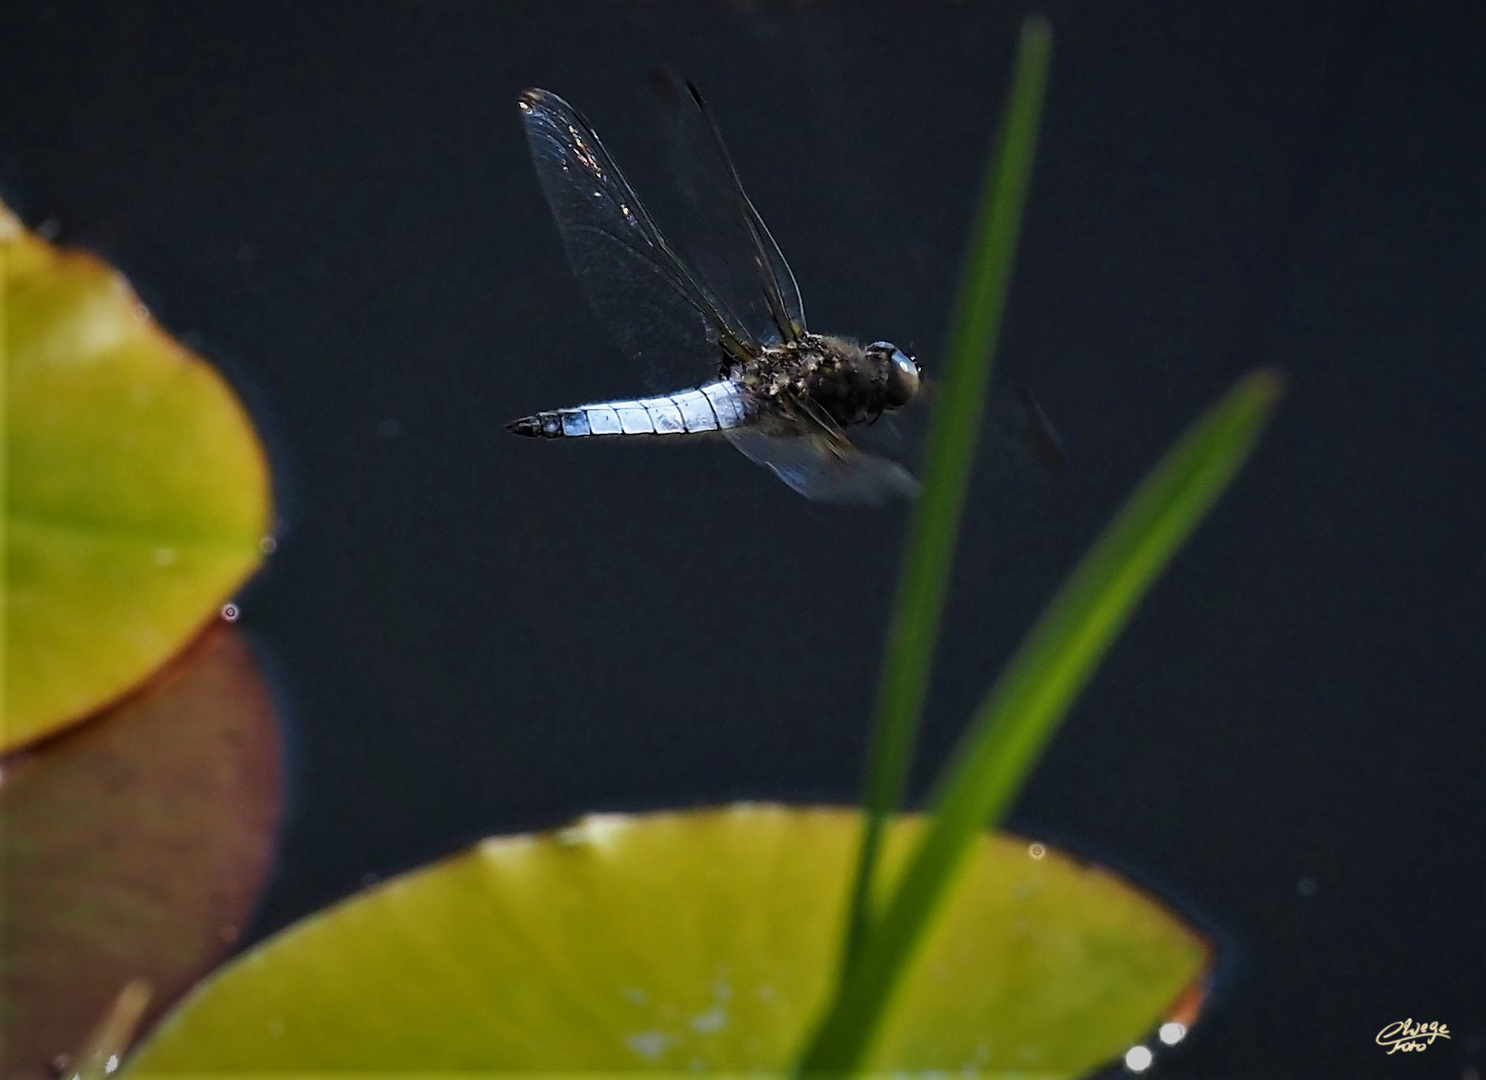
pixel 1023 708
pixel 949 456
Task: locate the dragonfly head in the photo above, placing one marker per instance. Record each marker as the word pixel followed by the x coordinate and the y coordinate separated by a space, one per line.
pixel 901 373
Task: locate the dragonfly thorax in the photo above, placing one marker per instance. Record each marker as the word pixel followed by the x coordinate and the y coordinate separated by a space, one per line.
pixel 853 383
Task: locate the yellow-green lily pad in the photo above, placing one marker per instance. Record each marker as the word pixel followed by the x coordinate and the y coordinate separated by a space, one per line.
pixel 134 847
pixel 683 941
pixel 137 493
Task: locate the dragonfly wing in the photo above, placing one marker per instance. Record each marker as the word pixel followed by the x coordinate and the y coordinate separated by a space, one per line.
pixel 645 295
pixel 819 469
pixel 807 450
pixel 721 232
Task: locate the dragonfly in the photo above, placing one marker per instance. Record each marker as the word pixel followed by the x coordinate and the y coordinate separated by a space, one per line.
pixel 729 321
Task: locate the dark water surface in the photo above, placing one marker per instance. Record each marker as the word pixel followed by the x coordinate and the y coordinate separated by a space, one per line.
pixel 473 634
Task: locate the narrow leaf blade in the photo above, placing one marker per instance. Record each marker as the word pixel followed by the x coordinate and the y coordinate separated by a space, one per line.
pixel 928 557
pixel 1024 707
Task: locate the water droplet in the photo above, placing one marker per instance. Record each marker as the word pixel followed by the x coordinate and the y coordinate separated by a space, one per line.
pixel 1172 1032
pixel 268 545
pixel 141 312
pixel 230 612
pixel 710 1021
pixel 649 1044
pixel 1138 1059
pixel 49 229
pixel 165 556
pixel 1307 887
pixel 1037 851
pixel 590 829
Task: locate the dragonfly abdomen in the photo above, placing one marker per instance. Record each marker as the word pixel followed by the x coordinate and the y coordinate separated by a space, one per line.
pixel 715 407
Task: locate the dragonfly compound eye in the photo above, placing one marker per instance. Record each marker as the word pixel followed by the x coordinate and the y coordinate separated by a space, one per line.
pixel 902 376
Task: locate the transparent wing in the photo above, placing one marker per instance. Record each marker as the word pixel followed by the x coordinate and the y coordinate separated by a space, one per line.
pixel 809 453
pixel 640 289
pixel 1021 445
pixel 718 227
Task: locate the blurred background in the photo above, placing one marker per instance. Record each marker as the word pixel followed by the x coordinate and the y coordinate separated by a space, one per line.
pixel 471 634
